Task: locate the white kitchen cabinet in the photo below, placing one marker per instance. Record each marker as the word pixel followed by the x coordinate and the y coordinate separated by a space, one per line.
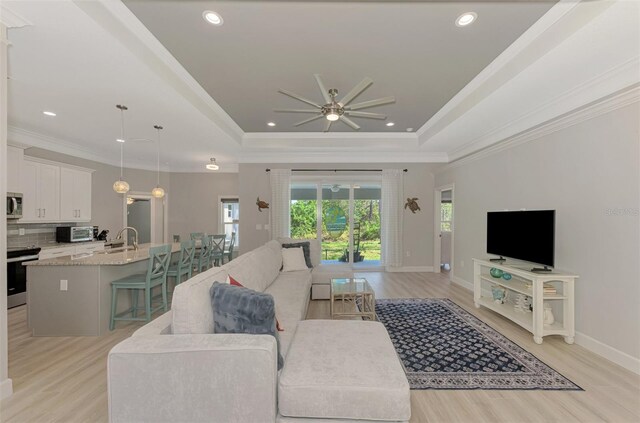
pixel 49 191
pixel 29 185
pixel 75 195
pixel 14 168
pixel 54 192
pixel 41 192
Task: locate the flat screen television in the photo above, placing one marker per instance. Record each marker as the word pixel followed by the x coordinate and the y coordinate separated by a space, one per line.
pixel 523 235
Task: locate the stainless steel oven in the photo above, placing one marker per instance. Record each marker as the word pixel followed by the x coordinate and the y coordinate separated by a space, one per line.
pixel 14 205
pixel 17 274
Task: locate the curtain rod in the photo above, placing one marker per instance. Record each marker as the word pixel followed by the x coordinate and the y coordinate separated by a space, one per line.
pixel 336 170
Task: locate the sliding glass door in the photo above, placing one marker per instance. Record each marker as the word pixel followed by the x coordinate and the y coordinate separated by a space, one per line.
pixel 345 215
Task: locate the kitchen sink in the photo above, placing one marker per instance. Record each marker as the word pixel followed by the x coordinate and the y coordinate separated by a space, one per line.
pixel 116 250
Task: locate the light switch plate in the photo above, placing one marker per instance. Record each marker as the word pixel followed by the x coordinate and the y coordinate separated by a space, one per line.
pixel 64 284
pixel 21 231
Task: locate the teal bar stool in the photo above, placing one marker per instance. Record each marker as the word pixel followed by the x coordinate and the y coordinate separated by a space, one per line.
pixel 197 235
pixel 204 255
pixel 159 259
pixel 217 248
pixel 232 243
pixel 184 266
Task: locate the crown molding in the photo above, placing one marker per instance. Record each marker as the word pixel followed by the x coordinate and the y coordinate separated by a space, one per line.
pixel 25 138
pixel 622 98
pixel 621 78
pixel 10 19
pixel 124 26
pixel 559 23
pixel 344 157
pixel 319 141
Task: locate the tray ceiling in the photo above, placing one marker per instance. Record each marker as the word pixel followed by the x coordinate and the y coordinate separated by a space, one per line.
pixel 412 50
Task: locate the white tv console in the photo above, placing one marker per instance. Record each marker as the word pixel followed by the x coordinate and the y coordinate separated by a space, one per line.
pixel 531 284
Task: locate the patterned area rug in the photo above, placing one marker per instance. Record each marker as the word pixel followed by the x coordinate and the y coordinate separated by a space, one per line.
pixel 444 347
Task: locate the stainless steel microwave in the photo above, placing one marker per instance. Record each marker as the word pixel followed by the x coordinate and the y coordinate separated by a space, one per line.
pixel 74 233
pixel 14 205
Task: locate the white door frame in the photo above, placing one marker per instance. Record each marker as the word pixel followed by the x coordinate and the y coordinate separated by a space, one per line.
pixel 437 239
pixel 148 196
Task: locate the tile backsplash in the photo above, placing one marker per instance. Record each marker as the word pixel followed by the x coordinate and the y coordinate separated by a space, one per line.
pixel 34 234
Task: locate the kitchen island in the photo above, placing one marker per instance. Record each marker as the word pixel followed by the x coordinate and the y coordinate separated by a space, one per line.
pixel 71 295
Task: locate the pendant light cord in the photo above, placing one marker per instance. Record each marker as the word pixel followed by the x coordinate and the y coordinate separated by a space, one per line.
pixel 158 128
pixel 122 140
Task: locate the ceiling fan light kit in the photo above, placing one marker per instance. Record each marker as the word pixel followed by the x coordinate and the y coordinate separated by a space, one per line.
pixel 342 110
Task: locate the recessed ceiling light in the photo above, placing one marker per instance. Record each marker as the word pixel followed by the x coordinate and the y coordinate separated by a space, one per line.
pixel 409 129
pixel 212 17
pixel 466 18
pixel 48 113
pixel 390 124
pixel 119 140
pixel 271 124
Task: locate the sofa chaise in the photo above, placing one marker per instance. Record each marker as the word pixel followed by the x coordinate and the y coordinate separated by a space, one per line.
pixel 176 369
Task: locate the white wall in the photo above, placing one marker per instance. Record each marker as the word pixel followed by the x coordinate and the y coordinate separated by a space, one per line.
pixel 5 383
pixel 418 228
pixel 588 173
pixel 193 205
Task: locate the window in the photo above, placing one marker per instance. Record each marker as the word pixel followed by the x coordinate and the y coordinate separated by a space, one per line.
pixel 229 216
pixel 446 213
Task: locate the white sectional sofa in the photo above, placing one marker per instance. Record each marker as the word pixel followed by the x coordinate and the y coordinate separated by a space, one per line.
pixel 175 369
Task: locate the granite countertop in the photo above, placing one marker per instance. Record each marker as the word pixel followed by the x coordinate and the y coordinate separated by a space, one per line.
pixel 102 258
pixel 54 244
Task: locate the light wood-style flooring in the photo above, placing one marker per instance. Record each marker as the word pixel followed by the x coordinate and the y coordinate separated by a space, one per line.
pixel 64 379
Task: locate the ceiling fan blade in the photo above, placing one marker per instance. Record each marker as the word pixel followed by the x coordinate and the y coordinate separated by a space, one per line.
pixel 295 111
pixel 327 125
pixel 349 122
pixel 323 90
pixel 372 103
pixel 308 120
pixel 356 91
pixel 365 115
pixel 299 98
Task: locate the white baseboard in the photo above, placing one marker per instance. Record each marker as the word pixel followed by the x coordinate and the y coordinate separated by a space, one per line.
pixel 603 350
pixel 620 358
pixel 6 388
pixel 461 282
pixel 410 269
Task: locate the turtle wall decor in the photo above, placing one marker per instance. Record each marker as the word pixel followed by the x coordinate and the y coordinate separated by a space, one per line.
pixel 412 203
pixel 261 204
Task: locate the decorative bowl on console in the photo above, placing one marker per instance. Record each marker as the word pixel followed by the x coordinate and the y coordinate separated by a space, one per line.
pixel 496 273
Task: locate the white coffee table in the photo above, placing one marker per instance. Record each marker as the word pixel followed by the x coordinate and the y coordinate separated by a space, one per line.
pixel 352 297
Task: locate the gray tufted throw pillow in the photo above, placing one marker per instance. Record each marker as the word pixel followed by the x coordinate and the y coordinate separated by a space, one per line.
pixel 242 310
pixel 306 249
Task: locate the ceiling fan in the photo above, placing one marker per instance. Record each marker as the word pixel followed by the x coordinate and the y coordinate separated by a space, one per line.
pixel 334 110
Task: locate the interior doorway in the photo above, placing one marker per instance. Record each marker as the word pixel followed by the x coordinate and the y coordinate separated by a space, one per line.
pixel 444 228
pixel 148 215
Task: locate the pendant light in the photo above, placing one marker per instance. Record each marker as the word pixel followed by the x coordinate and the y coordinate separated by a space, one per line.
pixel 158 192
pixel 120 186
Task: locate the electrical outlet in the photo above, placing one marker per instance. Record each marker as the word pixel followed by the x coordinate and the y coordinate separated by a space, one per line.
pixel 21 231
pixel 64 284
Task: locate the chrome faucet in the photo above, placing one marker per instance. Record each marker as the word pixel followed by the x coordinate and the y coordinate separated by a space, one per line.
pixel 135 239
